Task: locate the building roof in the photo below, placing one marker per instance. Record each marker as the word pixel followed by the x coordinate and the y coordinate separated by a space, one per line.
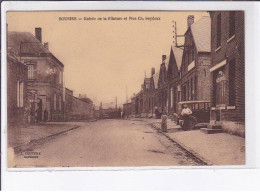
pixel 201 32
pixel 31 45
pixel 147 80
pixel 178 55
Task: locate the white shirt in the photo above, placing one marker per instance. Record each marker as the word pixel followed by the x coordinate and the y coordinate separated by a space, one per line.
pixel 186 111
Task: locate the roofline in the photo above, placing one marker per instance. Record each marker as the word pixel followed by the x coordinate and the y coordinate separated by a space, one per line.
pixel 82 100
pixel 196 101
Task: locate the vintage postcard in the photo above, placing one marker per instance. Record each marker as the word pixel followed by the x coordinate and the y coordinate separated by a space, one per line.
pixel 125 88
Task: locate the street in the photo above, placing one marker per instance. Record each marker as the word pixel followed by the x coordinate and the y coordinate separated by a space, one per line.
pixel 106 143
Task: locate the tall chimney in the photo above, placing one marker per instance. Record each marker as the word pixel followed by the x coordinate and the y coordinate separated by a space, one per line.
pixel 46 45
pixel 38 34
pixel 152 72
pixel 163 58
pixel 190 20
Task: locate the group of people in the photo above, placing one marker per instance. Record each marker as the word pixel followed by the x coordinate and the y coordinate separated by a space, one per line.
pixel 36 116
pixel 185 113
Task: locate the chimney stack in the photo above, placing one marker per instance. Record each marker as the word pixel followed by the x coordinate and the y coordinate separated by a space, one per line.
pixel 46 45
pixel 163 58
pixel 190 20
pixel 38 34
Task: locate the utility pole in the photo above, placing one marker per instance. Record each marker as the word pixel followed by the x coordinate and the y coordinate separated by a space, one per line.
pixel 174 33
pixel 126 103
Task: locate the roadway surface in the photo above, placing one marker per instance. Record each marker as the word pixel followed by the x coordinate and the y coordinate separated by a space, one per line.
pixel 106 143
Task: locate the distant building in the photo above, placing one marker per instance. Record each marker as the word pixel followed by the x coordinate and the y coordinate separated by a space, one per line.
pixel 45 73
pixel 228 69
pixel 81 110
pixel 127 109
pixel 162 90
pixel 148 92
pixel 68 106
pixel 77 108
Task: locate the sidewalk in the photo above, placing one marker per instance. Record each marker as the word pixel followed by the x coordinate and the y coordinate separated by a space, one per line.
pixel 219 148
pixel 18 136
pixel 214 149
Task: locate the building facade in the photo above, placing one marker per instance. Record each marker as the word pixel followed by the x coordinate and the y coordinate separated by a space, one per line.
pixel 162 91
pixel 173 77
pixel 148 96
pixel 228 69
pixel 194 71
pixel 45 74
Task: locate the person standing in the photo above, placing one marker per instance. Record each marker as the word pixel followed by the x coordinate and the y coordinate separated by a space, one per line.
pixel 164 121
pixel 185 113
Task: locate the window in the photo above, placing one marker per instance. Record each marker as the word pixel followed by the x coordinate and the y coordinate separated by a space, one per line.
pixel 54 102
pixel 231 23
pixel 60 102
pixel 218 30
pixel 188 90
pixel 207 105
pixel 20 90
pixel 232 91
pixel 195 87
pixel 30 71
pixel 191 89
pixel 220 87
pixel 60 77
pixel 201 105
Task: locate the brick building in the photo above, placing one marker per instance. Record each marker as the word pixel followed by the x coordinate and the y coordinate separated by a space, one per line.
pixel 17 106
pixel 45 73
pixel 228 69
pixel 162 91
pixel 173 76
pixel 194 71
pixel 148 96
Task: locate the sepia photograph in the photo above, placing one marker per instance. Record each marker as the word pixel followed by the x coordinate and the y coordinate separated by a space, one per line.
pixel 125 88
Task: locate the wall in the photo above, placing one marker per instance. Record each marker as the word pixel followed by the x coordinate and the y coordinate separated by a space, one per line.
pixel 16 71
pixel 232 49
pixel 81 110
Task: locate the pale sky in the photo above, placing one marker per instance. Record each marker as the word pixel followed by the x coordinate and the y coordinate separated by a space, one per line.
pixel 102 58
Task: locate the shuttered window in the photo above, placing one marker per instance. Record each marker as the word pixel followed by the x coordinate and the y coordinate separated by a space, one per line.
pixel 20 91
pixel 30 71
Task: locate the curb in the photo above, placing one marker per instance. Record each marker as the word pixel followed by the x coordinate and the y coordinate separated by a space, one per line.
pixel 189 151
pixel 27 145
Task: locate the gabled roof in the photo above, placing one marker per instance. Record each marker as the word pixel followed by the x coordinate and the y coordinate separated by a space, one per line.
pixel 31 44
pixel 201 32
pixel 178 55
